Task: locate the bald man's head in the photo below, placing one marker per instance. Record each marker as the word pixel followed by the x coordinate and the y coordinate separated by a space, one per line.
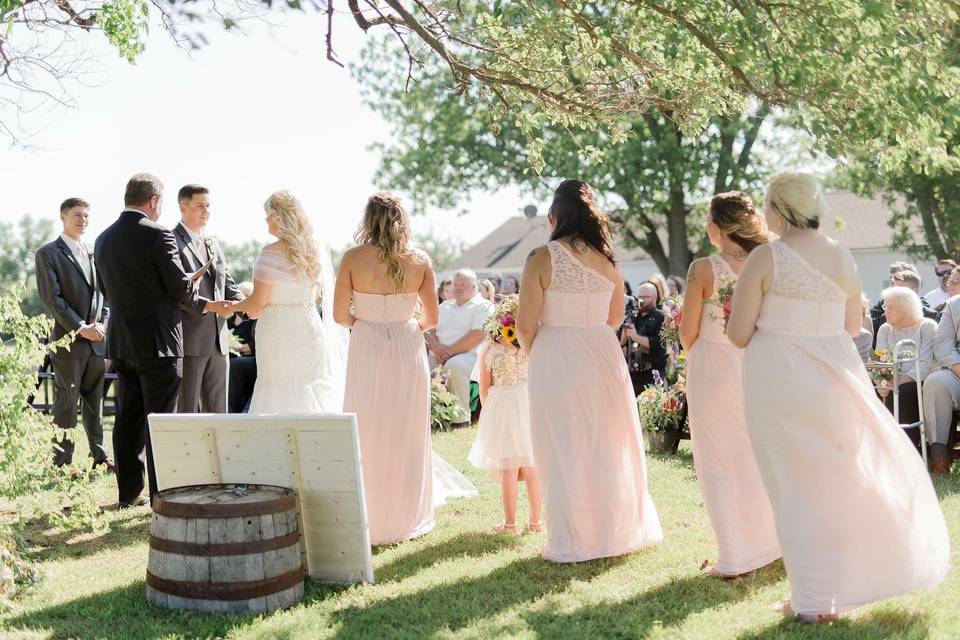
pixel 647 295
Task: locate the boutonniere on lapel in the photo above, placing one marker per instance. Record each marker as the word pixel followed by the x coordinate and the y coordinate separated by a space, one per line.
pixel 209 243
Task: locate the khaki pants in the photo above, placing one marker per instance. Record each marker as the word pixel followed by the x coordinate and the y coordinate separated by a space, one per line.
pixel 941 397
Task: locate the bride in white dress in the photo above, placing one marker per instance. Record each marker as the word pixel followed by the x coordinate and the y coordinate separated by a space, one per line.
pixel 301 356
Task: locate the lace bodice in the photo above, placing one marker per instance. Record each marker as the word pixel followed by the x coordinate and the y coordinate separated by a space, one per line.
pixel 802 300
pixel 578 295
pixel 797 279
pixel 712 322
pixel 508 366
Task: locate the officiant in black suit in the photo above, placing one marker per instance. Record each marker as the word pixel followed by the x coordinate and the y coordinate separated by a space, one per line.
pixel 67 284
pixel 206 342
pixel 142 276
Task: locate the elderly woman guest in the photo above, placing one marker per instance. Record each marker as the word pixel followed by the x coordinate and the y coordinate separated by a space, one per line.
pixel 864 341
pixel 905 321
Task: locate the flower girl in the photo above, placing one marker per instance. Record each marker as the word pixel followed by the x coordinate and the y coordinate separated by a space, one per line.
pixel 503 443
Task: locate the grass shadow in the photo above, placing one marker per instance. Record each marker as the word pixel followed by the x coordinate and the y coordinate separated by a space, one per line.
pixel 667 605
pixel 879 625
pixel 465 545
pixel 45 543
pixel 453 606
pixel 108 612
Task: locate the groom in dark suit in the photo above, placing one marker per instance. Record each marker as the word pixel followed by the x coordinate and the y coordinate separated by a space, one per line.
pixel 206 342
pixel 67 284
pixel 142 276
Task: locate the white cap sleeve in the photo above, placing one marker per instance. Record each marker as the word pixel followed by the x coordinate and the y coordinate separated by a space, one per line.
pixel 271 266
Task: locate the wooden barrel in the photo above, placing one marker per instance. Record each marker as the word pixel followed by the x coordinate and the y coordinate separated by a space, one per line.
pixel 225 548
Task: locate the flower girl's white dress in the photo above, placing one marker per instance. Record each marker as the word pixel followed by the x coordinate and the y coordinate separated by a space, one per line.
pixel 503 434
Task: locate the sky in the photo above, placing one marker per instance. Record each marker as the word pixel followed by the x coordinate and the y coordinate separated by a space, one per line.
pixel 245 116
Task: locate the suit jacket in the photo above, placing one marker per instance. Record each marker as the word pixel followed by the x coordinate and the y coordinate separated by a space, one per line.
pixel 203 334
pixel 67 295
pixel 946 343
pixel 141 274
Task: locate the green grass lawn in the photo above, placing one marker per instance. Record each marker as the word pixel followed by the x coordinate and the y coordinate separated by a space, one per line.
pixel 461 581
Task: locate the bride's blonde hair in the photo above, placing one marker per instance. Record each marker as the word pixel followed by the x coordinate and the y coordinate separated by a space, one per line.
pixel 295 231
pixel 386 226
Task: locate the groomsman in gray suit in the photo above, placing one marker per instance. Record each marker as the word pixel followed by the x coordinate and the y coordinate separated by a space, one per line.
pixel 67 283
pixel 206 342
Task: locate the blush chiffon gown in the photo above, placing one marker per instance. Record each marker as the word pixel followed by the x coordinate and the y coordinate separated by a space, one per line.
pixel 727 472
pixel 584 422
pixel 856 513
pixel 388 388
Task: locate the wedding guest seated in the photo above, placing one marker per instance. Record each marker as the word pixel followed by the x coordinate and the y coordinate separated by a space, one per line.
pixel 488 291
pixel 937 297
pixel 675 285
pixel 243 364
pixel 941 391
pixel 645 332
pixel 905 321
pixel 908 279
pixel 876 311
pixel 453 345
pixel 509 286
pixel 952 285
pixel 864 341
pixel 444 290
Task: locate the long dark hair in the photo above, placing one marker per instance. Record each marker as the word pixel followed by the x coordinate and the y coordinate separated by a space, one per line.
pixel 576 216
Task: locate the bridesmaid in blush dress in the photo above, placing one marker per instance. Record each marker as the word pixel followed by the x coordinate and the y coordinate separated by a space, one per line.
pixel 583 414
pixel 856 514
pixel 388 378
pixel 727 472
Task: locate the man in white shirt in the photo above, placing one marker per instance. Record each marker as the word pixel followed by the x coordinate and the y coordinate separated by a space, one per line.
pixel 67 284
pixel 938 296
pixel 454 343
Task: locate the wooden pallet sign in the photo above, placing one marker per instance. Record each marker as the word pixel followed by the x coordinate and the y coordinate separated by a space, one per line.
pixel 318 456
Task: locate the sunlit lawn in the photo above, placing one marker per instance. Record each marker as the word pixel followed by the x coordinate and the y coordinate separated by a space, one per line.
pixel 461 581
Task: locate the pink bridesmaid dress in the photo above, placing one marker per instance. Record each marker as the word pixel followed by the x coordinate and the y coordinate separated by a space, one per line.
pixel 856 513
pixel 388 387
pixel 729 480
pixel 583 417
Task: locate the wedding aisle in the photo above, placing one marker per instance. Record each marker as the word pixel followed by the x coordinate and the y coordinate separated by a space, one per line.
pixel 461 581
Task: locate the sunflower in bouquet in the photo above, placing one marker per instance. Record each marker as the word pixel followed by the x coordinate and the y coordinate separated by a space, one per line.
pixel 501 325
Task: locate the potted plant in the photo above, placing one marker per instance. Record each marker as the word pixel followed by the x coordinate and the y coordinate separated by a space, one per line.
pixel 663 414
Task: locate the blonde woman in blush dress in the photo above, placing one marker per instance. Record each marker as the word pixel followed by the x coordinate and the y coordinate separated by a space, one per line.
pixel 733 492
pixel 300 356
pixel 583 413
pixel 388 378
pixel 856 514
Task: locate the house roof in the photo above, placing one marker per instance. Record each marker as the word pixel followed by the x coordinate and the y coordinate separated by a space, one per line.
pixel 859 223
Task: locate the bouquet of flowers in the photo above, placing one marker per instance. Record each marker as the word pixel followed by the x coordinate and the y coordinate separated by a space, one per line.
pixel 670 330
pixel 502 323
pixel 662 407
pixel 723 297
pixel 445 409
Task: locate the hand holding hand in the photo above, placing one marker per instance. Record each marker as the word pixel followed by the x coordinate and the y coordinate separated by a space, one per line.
pixel 222 308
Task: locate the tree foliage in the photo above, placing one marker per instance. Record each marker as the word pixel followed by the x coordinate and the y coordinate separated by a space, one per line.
pixel 655 183
pixel 867 76
pixel 19 242
pixel 27 474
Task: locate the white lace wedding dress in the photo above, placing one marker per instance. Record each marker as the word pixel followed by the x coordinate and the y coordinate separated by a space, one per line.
pixel 294 370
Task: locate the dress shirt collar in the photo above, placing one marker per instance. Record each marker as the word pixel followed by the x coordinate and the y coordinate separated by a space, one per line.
pixel 132 210
pixel 76 246
pixel 195 238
